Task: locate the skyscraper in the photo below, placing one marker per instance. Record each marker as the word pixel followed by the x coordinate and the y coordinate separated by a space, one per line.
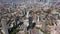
pixel 30 20
pixel 4 26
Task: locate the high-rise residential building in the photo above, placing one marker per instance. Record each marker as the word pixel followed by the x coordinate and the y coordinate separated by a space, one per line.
pixel 27 14
pixel 38 18
pixel 44 25
pixel 43 1
pixel 4 26
pixel 24 11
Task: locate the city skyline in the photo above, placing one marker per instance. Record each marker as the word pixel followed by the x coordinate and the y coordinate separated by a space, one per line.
pixel 29 16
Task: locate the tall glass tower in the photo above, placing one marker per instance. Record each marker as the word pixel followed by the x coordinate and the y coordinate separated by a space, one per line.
pixel 30 20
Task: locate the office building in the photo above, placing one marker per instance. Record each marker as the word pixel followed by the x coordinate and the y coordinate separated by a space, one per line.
pixel 30 20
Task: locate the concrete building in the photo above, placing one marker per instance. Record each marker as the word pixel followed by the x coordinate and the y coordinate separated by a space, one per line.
pixel 21 32
pixel 4 26
pixel 34 31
